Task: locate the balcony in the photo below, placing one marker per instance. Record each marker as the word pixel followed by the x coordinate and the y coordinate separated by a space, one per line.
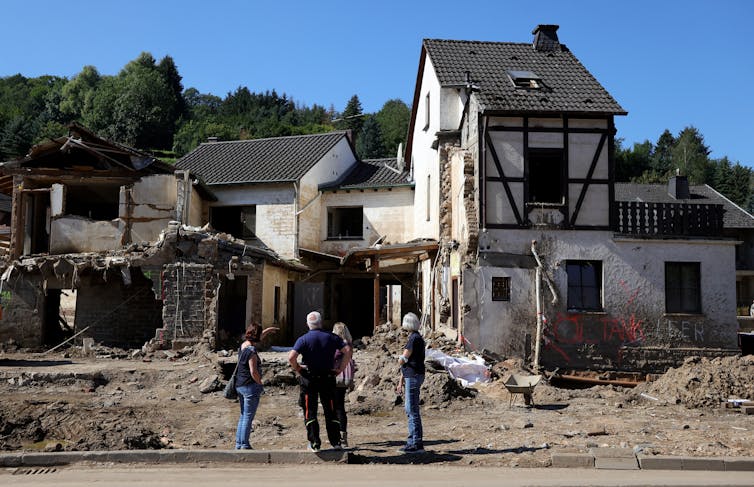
pixel 668 220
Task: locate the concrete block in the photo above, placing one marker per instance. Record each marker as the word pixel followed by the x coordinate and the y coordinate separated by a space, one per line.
pixel 612 452
pixel 699 463
pixel 175 456
pixel 739 464
pixel 659 462
pixel 747 409
pixel 324 456
pixel 229 456
pixel 134 456
pixel 612 463
pixel 572 460
pixel 48 459
pixel 10 460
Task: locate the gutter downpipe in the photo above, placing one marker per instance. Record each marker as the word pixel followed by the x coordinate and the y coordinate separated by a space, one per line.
pixel 538 292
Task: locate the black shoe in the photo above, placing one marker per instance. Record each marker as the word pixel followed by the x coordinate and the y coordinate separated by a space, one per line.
pixel 412 449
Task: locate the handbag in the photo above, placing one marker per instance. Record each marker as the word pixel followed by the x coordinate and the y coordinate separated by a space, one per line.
pixel 230 388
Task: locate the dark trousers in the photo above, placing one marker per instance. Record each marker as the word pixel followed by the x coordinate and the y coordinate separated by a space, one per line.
pixel 340 408
pixel 316 387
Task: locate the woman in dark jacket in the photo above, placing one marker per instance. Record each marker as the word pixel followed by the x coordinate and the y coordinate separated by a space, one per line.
pixel 248 385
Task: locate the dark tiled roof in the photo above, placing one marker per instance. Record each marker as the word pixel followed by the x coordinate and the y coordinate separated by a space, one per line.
pixel 373 173
pixel 568 86
pixel 259 160
pixel 734 217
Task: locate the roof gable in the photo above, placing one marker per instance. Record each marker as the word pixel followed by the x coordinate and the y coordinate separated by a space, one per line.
pixel 566 85
pixel 259 160
pixel 373 173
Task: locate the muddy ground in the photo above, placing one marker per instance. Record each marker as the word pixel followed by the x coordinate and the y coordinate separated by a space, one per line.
pixel 118 399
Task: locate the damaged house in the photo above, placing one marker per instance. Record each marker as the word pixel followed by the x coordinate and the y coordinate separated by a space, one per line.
pixel 542 254
pixel 118 231
pixel 309 199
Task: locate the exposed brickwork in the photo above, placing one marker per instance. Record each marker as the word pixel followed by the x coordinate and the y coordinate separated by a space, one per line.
pixel 190 292
pixel 21 300
pixel 118 315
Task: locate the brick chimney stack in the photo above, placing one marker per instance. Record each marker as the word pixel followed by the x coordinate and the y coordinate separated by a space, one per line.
pixel 546 38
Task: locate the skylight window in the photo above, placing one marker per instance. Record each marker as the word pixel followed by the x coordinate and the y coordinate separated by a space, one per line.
pixel 525 80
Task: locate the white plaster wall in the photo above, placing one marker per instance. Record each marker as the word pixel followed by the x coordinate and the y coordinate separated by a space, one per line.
pixel 196 209
pixel 450 106
pixel 633 283
pixel 153 200
pixel 271 277
pixel 78 234
pixel 332 168
pixel 595 209
pixel 425 159
pixel 275 212
pixel 459 224
pixel 581 149
pixel 499 209
pixel 509 147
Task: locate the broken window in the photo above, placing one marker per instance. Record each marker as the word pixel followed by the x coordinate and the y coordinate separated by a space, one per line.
pixel 345 223
pixel 584 285
pixel 524 79
pixel 94 201
pixel 239 221
pixel 683 287
pixel 546 176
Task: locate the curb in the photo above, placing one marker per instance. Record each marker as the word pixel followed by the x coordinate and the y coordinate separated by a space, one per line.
pixel 172 456
pixel 623 459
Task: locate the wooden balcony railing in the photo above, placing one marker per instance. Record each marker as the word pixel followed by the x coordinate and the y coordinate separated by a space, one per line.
pixel 669 219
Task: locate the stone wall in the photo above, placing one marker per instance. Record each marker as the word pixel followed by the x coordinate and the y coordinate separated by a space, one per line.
pixel 189 300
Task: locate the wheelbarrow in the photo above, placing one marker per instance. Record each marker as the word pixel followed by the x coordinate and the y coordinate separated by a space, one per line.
pixel 521 384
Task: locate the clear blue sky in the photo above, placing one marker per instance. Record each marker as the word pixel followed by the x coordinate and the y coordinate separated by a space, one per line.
pixel 670 64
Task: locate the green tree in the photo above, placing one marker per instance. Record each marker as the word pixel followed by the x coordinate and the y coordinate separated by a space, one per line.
pixel 691 156
pixel 393 119
pixel 633 163
pixel 369 143
pixel 15 139
pixel 352 117
pixel 662 158
pixel 77 94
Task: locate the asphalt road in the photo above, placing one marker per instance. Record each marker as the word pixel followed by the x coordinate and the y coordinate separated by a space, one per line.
pixel 358 475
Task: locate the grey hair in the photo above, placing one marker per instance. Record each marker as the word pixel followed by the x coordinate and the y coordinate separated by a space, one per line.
pixel 314 320
pixel 410 322
pixel 341 330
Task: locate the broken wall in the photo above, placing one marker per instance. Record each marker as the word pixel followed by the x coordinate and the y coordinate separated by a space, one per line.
pixel 117 314
pixel 189 300
pixel 21 301
pixel 147 206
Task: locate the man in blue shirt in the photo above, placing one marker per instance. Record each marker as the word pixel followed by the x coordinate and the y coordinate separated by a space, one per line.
pixel 317 377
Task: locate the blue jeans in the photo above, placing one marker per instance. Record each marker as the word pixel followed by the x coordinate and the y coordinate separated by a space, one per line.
pixel 248 398
pixel 412 386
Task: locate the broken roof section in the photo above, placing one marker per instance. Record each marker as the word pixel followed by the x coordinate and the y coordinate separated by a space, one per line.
pixel 278 159
pixel 81 150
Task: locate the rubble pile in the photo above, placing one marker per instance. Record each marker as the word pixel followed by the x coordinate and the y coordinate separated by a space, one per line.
pixel 703 382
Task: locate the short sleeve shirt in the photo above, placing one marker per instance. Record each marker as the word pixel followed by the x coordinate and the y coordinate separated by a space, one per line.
pixel 415 364
pixel 243 375
pixel 317 347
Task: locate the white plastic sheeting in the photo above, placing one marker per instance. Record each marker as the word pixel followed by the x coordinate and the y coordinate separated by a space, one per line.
pixel 467 372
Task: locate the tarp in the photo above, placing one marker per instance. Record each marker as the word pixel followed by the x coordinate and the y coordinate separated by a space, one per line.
pixel 467 372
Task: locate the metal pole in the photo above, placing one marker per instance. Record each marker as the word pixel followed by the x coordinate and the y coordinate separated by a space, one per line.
pixel 538 292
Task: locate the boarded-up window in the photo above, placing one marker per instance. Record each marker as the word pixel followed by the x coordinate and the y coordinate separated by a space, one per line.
pixel 683 287
pixel 584 285
pixel 501 288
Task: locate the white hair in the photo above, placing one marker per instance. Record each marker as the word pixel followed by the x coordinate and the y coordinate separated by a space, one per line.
pixel 410 322
pixel 314 320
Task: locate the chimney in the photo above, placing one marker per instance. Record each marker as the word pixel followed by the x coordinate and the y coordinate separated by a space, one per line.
pixel 678 187
pixel 546 38
pixel 212 139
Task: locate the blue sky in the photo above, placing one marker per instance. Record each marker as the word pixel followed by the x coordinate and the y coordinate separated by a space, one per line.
pixel 670 64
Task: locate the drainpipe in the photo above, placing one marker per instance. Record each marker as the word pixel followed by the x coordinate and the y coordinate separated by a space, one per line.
pixel 295 220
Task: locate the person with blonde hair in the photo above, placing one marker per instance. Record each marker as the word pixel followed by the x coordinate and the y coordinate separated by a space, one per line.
pixel 343 382
pixel 411 362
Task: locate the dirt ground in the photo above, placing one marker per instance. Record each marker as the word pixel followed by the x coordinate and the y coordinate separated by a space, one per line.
pixel 128 399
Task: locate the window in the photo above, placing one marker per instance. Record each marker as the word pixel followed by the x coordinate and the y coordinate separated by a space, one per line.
pixel 429 197
pixel 501 288
pixel 345 223
pixel 546 176
pixel 426 112
pixel 683 287
pixel 94 201
pixel 584 285
pixel 525 80
pixel 239 221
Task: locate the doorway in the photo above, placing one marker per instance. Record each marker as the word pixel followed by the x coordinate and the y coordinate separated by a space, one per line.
pixel 231 311
pixel 59 315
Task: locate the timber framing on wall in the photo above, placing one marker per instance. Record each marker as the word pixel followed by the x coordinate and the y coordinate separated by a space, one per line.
pixel 569 210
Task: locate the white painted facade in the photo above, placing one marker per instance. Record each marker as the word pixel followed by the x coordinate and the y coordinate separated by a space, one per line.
pixel 387 213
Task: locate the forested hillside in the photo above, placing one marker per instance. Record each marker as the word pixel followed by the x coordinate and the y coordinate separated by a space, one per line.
pixel 146 106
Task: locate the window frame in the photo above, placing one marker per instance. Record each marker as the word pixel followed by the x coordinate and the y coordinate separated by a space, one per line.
pixel 540 180
pixel 680 291
pixel 501 288
pixel 331 231
pixel 577 288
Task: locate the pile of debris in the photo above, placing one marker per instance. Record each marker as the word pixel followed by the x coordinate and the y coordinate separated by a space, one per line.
pixel 703 382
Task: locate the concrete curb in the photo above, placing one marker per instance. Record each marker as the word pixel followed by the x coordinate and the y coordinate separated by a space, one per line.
pixel 618 458
pixel 26 459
